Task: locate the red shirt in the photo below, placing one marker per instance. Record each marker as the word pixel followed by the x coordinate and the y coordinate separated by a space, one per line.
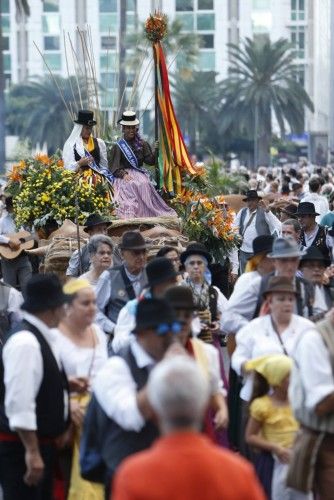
pixel 186 466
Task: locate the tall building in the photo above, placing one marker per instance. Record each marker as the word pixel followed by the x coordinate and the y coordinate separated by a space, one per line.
pixel 306 23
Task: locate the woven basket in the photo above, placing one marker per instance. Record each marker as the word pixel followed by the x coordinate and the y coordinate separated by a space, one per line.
pixel 59 253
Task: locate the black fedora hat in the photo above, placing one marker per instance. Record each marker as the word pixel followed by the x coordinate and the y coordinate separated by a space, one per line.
pixel 132 240
pixel 263 244
pixel 95 220
pixel 160 270
pixel 306 208
pixel 180 297
pixel 42 293
pixel 251 195
pixel 195 249
pixel 85 117
pixel 151 313
pixel 314 254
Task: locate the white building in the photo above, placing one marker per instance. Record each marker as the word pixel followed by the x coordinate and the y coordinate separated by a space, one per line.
pixel 305 22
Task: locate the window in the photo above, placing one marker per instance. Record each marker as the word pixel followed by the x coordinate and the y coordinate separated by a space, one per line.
pixel 183 5
pixel 5 24
pixel 108 22
pixel 205 5
pixel 5 43
pixel 51 5
pixel 51 23
pixel 299 74
pixel 130 21
pixel 130 5
pixel 297 10
pixel 205 22
pixel 51 43
pixel 207 41
pixel 108 5
pixel 187 21
pixel 5 7
pixel 108 42
pixel 207 61
pixel 54 61
pixel 298 41
pixel 107 61
pixel 108 80
pixel 6 62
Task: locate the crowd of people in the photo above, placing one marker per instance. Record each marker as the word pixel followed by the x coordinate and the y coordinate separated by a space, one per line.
pixel 151 378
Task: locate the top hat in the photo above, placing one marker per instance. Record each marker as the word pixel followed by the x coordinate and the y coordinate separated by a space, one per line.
pixel 180 297
pixel 314 254
pixel 129 118
pixel 251 195
pixel 151 313
pixel 132 240
pixel 94 220
pixel 306 208
pixel 262 244
pixel 85 117
pixel 195 249
pixel 43 292
pixel 285 248
pixel 290 210
pixel 280 284
pixel 160 270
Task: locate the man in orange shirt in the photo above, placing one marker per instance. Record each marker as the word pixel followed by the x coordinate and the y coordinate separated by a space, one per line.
pixel 183 464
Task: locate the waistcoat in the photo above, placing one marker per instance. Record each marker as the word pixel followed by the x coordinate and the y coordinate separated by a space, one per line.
pixel 261 225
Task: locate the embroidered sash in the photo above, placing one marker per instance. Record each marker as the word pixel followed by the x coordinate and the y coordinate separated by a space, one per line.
pixel 100 170
pixel 129 154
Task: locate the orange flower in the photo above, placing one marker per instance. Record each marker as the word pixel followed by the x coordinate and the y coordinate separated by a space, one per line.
pixel 43 159
pixel 60 163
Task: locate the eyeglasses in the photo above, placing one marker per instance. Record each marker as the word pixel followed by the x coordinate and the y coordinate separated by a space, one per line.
pixel 195 263
pixel 164 328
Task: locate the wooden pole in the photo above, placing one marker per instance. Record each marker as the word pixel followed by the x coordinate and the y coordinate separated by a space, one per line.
pixel 156 121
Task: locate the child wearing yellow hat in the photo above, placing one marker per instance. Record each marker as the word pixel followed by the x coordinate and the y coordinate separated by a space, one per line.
pixel 272 426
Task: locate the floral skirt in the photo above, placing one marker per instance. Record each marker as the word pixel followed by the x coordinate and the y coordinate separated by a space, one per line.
pixel 138 198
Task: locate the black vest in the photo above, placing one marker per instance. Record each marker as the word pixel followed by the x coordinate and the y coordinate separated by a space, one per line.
pixel 50 397
pixel 318 242
pixel 119 443
pixel 121 292
pixel 95 153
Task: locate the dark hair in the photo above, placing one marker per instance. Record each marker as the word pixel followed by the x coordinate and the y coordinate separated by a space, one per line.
pixel 293 172
pixel 314 185
pixel 285 189
pixel 9 202
pixel 165 250
pixel 260 386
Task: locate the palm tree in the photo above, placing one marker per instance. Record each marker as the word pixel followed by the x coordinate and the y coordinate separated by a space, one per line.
pixel 262 83
pixel 36 110
pixel 22 9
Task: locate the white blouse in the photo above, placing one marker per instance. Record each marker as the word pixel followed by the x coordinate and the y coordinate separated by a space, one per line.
pixel 258 338
pixel 81 361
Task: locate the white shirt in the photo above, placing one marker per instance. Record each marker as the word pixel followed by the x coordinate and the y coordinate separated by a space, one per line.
pixel 23 374
pixel 258 338
pixel 116 391
pixel 309 237
pixel 319 304
pixel 7 226
pixel 251 233
pixel 216 383
pixel 71 164
pixel 320 204
pixel 314 369
pixel 81 361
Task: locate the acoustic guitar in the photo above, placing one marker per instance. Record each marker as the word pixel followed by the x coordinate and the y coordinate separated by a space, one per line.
pixel 26 243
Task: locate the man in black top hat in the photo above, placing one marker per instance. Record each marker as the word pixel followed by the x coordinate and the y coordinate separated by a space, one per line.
pixel 312 234
pixel 118 285
pixel 252 221
pixel 33 395
pixel 95 224
pixel 161 275
pixel 119 390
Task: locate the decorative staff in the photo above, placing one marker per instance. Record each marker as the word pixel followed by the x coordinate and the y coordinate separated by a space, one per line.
pixel 171 155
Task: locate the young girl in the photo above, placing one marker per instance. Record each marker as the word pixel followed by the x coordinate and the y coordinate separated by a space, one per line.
pixel 272 426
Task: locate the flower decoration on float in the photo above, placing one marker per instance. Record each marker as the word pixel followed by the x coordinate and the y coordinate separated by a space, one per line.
pixel 44 190
pixel 156 27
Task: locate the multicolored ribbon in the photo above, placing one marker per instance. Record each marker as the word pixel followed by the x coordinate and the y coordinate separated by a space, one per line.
pixel 173 154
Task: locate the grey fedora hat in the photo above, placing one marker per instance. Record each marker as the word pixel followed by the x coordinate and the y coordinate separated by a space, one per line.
pixel 284 248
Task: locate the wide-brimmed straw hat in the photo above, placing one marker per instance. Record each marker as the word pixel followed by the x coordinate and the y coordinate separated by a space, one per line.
pixel 129 118
pixel 280 284
pixel 284 248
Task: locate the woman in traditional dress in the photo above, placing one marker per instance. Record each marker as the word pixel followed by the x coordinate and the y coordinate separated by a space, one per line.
pixel 83 351
pixel 82 150
pixel 133 191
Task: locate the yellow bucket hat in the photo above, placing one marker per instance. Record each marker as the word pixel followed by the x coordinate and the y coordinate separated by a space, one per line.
pixel 274 368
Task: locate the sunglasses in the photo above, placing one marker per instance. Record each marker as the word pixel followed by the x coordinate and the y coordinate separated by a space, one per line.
pixel 164 328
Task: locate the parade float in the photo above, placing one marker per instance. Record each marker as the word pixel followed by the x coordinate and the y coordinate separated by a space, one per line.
pixel 46 195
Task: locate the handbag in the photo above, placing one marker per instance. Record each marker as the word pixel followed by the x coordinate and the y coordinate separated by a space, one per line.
pixel 304 455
